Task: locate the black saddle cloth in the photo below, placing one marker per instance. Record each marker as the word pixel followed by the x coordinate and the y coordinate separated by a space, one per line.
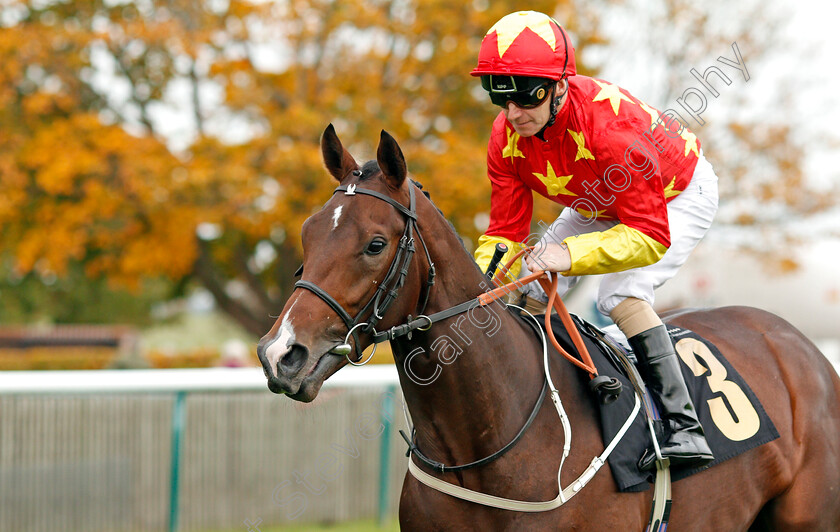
pixel 732 417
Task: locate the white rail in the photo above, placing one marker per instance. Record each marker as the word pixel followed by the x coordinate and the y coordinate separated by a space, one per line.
pixel 28 397
pixel 173 380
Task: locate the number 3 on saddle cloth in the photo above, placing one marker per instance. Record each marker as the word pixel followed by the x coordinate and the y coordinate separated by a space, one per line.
pixel 732 417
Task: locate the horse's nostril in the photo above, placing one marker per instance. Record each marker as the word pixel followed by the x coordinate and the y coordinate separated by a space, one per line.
pixel 294 359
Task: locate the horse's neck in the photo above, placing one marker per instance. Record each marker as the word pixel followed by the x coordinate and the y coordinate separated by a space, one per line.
pixel 478 373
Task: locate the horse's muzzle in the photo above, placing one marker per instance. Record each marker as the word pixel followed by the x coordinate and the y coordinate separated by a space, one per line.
pixel 284 371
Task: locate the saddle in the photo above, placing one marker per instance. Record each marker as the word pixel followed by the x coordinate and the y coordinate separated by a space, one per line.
pixel 732 417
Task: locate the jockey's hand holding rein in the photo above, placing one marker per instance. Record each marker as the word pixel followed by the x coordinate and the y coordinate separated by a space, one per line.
pixel 550 257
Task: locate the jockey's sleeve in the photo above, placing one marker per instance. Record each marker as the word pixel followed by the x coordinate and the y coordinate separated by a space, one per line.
pixel 617 249
pixel 486 248
pixel 511 201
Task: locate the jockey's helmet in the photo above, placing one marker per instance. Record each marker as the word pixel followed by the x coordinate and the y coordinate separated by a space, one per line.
pixel 528 44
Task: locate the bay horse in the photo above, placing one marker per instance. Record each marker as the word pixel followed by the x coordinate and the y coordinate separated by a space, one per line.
pixel 470 384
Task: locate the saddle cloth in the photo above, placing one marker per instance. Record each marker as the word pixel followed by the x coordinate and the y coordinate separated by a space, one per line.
pixel 732 417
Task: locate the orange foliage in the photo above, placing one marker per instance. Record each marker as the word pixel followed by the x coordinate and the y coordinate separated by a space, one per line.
pixel 50 358
pixel 89 175
pixel 196 358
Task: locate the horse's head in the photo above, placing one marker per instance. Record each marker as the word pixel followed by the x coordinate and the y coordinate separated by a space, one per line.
pixel 357 252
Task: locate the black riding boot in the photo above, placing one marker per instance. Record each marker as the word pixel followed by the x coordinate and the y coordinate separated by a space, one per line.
pixel 686 446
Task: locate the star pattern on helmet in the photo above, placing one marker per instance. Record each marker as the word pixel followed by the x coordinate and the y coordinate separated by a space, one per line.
pixel 555 184
pixel 669 190
pixel 510 27
pixel 612 93
pixel 512 149
pixel 580 140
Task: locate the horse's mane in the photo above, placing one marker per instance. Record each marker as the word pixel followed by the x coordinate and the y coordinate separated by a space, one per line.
pixel 369 169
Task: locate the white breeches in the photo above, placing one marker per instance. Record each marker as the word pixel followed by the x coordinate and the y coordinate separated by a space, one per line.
pixel 689 217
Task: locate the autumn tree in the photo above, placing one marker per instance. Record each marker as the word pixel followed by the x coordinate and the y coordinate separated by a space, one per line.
pixel 179 139
pixel 750 130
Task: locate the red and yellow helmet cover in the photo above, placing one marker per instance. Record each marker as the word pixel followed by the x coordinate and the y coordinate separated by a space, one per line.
pixel 526 43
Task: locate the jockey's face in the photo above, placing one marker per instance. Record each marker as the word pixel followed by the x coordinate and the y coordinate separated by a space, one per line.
pixel 529 122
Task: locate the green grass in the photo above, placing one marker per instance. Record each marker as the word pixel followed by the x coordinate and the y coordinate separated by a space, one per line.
pixel 356 526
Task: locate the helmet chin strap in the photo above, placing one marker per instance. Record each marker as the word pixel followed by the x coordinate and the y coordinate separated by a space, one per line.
pixel 555 102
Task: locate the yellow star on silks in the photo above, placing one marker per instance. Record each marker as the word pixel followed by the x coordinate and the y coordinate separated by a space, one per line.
pixel 690 142
pixel 669 190
pixel 555 184
pixel 590 214
pixel 582 152
pixel 654 114
pixel 509 28
pixel 512 150
pixel 612 93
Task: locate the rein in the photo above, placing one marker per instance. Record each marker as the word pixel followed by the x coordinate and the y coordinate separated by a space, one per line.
pixel 397 272
pixel 441 468
pixel 549 284
pixel 661 506
pixel 564 494
pixel 385 295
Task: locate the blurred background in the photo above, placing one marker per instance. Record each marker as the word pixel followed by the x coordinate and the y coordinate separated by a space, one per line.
pixel 157 160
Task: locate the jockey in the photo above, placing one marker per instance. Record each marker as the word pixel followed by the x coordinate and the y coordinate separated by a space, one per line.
pixel 638 191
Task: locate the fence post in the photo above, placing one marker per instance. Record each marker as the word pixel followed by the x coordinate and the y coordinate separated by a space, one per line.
pixel 385 454
pixel 178 415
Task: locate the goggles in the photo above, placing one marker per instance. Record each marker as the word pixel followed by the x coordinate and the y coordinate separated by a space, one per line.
pixel 525 92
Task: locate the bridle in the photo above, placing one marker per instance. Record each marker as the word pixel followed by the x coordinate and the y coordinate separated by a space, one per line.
pixel 388 289
pixel 382 299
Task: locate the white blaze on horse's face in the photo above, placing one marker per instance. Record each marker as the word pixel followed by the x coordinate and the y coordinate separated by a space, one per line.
pixel 337 215
pixel 285 338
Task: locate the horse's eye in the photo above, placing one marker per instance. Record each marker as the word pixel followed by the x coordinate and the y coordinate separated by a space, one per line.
pixel 375 247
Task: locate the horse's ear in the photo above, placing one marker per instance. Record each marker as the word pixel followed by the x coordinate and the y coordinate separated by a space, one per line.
pixel 338 161
pixel 391 160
